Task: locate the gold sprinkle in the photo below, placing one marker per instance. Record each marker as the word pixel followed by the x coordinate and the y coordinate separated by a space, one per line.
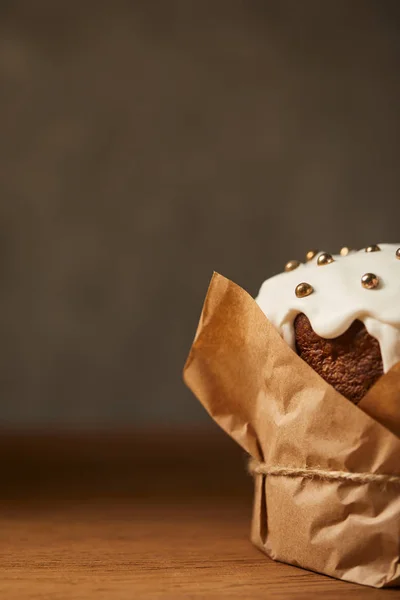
pixel 345 251
pixel 373 248
pixel 292 265
pixel 324 259
pixel 370 281
pixel 311 254
pixel 398 253
pixel 303 289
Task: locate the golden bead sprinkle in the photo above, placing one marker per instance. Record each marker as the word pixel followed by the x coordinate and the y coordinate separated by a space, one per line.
pixel 398 253
pixel 292 265
pixel 311 254
pixel 324 259
pixel 303 289
pixel 369 281
pixel 345 251
pixel 373 248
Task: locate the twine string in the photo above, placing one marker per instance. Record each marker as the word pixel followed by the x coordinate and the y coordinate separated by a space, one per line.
pixel 260 468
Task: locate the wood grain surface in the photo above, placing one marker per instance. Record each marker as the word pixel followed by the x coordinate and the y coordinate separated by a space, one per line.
pixel 138 516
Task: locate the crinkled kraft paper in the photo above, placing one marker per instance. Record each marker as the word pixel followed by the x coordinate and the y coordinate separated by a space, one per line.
pixel 284 414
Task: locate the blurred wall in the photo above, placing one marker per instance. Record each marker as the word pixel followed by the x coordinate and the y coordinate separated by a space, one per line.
pixel 145 144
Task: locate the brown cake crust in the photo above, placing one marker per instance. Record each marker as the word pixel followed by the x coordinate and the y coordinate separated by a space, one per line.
pixel 351 363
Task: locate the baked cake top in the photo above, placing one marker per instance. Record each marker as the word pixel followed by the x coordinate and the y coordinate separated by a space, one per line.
pixel 335 290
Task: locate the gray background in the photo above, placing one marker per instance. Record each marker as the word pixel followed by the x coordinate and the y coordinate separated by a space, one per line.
pixel 145 144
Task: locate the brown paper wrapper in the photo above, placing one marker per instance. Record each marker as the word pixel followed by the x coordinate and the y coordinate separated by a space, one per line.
pixel 382 402
pixel 284 414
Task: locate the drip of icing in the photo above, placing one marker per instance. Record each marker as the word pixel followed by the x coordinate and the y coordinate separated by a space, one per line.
pixel 389 341
pixel 339 298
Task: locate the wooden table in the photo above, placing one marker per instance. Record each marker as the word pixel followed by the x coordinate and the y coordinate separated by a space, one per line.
pixel 138 516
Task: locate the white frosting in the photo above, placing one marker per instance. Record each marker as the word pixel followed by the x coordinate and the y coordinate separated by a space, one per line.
pixel 339 298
